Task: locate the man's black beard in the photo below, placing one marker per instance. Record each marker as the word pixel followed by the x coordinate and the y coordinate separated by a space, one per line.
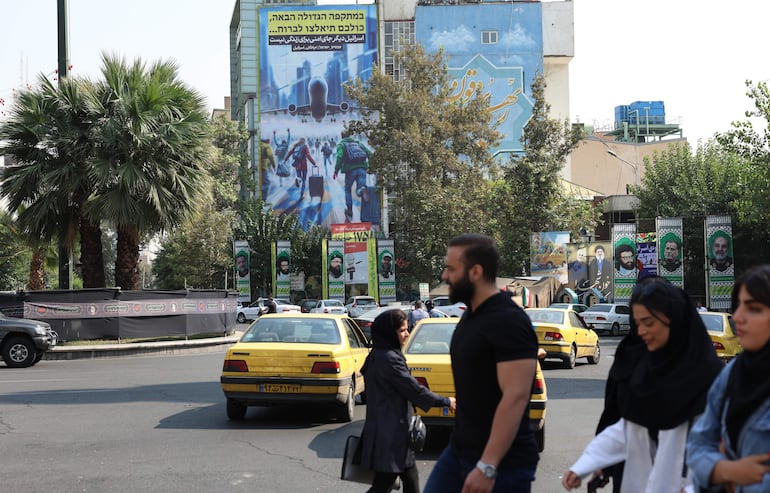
pixel 463 290
pixel 335 272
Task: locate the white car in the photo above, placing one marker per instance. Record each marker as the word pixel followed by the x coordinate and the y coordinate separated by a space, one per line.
pixel 255 309
pixel 329 306
pixel 449 308
pixel 357 305
pixel 612 318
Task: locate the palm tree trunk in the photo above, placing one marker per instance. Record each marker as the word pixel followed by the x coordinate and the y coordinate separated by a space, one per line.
pixel 37 270
pixel 126 264
pixel 91 257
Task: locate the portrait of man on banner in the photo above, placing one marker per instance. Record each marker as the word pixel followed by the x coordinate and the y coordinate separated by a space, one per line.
pixel 386 265
pixel 335 265
pixel 242 264
pixel 625 258
pixel 671 253
pixel 721 249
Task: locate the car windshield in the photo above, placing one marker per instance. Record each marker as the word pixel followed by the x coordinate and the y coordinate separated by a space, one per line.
pixel 432 339
pixel 293 330
pixel 599 308
pixel 333 303
pixel 546 316
pixel 713 322
pixel 559 305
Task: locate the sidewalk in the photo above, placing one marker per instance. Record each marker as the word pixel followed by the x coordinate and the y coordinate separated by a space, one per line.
pixel 94 351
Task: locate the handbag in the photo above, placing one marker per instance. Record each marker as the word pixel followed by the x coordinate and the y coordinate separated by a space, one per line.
pixel 351 463
pixel 417 433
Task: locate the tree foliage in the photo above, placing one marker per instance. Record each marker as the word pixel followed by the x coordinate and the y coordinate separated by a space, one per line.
pixel 431 157
pixel 530 195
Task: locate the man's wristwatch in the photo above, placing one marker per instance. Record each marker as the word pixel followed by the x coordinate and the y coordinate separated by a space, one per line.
pixel 488 470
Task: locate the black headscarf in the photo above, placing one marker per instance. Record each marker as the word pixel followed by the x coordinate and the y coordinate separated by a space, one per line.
pixel 385 329
pixel 661 390
pixel 748 384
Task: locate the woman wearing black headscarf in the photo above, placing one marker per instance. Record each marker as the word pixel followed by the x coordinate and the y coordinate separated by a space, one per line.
pixel 730 444
pixel 661 374
pixel 390 392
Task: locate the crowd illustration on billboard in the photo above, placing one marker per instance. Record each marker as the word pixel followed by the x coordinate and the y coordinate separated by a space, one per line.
pixel 309 164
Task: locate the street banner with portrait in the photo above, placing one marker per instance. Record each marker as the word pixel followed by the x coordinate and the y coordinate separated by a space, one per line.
pixel 548 254
pixel 334 282
pixel 721 269
pixel 242 274
pixel 670 254
pixel 589 273
pixel 282 269
pixel 624 254
pixel 386 270
pixel 307 53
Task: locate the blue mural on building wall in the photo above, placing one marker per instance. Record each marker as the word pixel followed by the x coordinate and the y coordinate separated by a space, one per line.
pixel 498 47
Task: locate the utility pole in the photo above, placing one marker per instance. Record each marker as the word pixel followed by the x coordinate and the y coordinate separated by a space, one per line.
pixel 65 263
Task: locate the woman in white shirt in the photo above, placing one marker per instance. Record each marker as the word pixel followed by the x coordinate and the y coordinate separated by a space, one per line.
pixel 661 374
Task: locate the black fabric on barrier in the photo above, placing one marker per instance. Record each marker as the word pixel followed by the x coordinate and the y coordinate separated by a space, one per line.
pixel 127 325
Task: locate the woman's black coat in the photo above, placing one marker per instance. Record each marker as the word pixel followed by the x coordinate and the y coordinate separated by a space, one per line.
pixel 389 390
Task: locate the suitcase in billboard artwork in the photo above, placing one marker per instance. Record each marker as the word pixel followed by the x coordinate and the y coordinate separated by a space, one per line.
pixel 370 210
pixel 316 183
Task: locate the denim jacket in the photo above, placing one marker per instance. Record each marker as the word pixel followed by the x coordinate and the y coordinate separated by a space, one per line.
pixel 707 433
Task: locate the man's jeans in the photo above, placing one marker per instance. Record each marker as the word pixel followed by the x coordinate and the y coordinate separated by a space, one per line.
pixel 450 471
pixel 354 176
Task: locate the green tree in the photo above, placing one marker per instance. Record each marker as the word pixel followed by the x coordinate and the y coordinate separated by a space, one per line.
pixel 432 157
pixel 199 253
pixel 15 255
pixel 530 196
pixel 51 136
pixel 150 165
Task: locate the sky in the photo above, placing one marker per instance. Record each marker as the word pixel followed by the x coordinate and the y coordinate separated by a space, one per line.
pixel 693 56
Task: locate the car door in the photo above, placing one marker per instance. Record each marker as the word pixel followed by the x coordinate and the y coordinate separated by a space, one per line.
pixel 585 337
pixel 624 316
pixel 359 351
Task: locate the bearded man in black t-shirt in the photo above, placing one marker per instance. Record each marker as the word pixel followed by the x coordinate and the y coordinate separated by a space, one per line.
pixel 494 355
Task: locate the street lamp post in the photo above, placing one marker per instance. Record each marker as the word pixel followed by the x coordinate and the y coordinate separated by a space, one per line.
pixel 633 166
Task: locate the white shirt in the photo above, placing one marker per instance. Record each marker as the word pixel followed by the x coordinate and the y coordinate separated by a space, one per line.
pixel 650 467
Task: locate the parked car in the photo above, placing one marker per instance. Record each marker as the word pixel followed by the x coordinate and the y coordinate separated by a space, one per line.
pixel 446 306
pixel 23 342
pixel 293 358
pixel 329 306
pixel 427 356
pixel 356 305
pixel 564 335
pixel 365 319
pixel 612 318
pixel 306 305
pixel 259 308
pixel 721 329
pixel 577 307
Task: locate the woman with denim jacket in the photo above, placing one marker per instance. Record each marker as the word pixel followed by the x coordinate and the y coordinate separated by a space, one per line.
pixel 729 447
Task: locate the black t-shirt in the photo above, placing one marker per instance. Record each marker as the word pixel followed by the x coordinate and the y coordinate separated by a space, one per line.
pixel 498 330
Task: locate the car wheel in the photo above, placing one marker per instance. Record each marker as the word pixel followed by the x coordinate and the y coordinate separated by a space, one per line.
pixel 241 318
pixel 597 354
pixel 19 352
pixel 570 361
pixel 615 329
pixel 348 409
pixel 236 411
pixel 540 438
pixel 38 357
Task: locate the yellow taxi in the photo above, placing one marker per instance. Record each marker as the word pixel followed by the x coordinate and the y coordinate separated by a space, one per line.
pixel 564 335
pixel 722 332
pixel 296 358
pixel 427 356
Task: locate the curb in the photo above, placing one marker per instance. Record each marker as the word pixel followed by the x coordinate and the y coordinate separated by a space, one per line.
pixel 164 348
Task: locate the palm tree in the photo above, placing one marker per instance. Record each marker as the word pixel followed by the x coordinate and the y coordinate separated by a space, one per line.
pixel 50 134
pixel 149 167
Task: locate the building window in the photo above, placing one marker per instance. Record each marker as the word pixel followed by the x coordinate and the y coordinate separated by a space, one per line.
pixel 397 34
pixel 488 37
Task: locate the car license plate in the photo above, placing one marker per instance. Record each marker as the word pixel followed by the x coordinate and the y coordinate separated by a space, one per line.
pixel 280 388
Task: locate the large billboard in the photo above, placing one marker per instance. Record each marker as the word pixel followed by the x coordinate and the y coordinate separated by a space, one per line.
pixel 307 54
pixel 495 48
